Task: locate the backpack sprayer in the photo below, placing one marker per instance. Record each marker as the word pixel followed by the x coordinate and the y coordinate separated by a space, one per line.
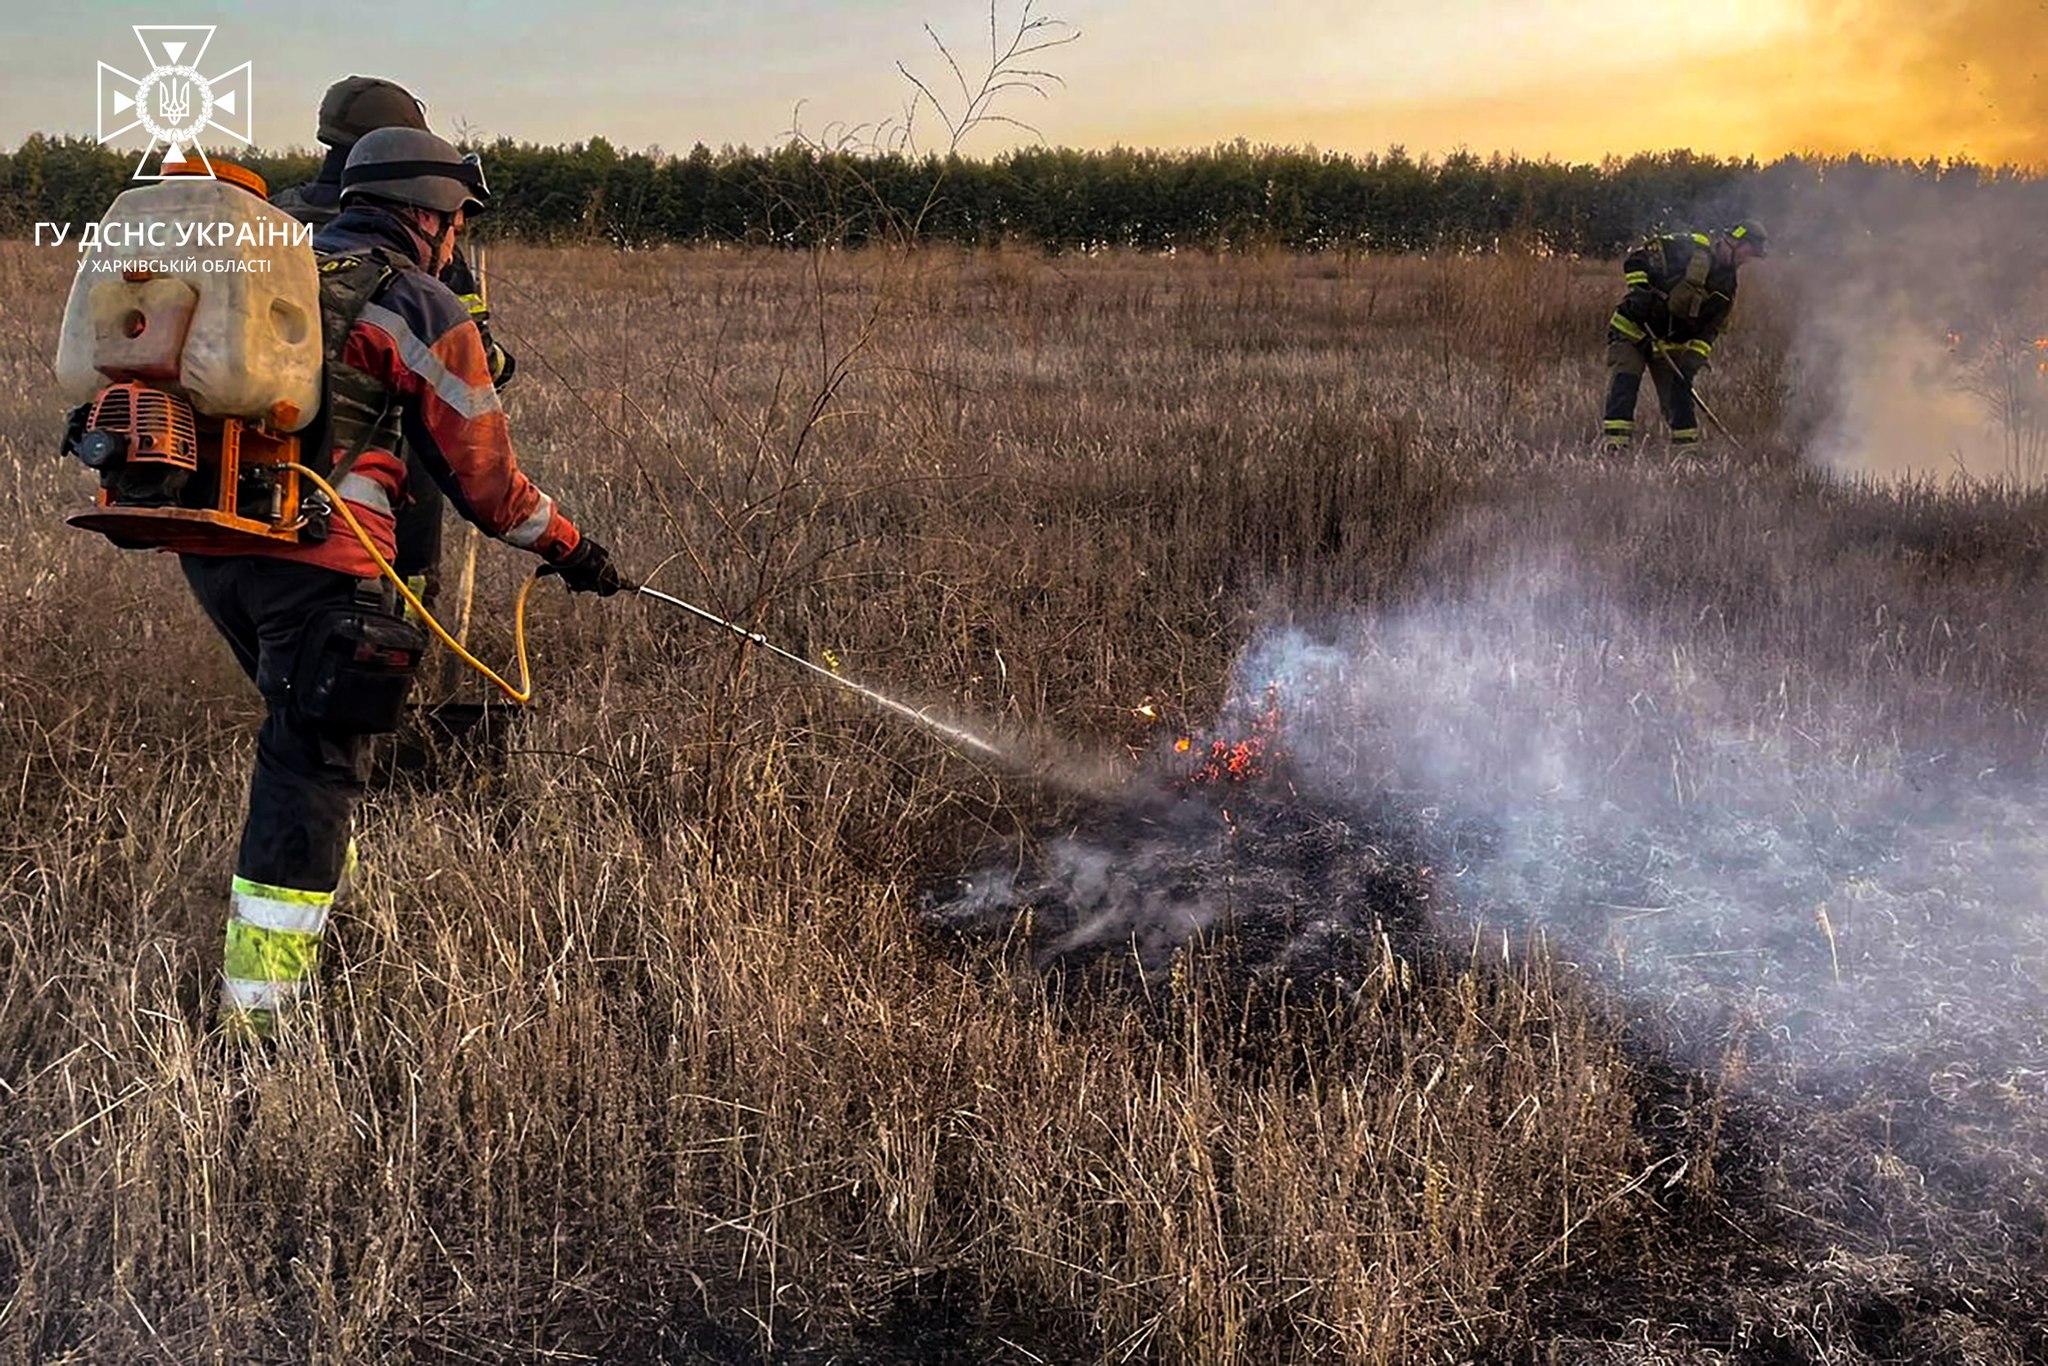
pixel 207 406
pixel 214 361
pixel 121 522
pixel 202 375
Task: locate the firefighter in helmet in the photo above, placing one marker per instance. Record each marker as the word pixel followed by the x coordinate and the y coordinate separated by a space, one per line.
pixel 352 108
pixel 1681 288
pixel 404 359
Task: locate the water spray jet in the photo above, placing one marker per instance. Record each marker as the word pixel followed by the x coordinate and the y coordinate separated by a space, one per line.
pixel 943 730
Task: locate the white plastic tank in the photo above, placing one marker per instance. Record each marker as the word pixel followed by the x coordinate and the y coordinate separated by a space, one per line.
pixel 195 285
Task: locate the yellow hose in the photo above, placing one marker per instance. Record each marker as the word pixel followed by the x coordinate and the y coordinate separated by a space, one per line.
pixel 521 694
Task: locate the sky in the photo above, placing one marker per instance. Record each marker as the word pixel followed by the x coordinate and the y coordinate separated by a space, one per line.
pixel 1919 78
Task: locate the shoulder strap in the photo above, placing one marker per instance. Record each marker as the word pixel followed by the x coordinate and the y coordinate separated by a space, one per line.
pixel 358 408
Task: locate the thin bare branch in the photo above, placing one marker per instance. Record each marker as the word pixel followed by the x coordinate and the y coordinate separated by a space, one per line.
pixel 945 52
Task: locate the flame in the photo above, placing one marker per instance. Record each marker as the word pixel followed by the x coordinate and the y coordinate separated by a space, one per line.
pixel 1183 744
pixel 1237 761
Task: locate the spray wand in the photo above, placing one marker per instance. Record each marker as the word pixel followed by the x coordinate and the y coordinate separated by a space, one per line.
pixel 522 693
pixel 902 709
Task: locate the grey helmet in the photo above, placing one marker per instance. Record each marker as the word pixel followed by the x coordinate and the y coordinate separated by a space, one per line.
pixel 359 105
pixel 413 166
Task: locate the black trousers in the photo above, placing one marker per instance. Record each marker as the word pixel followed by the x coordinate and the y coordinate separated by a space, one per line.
pixel 303 793
pixel 1626 361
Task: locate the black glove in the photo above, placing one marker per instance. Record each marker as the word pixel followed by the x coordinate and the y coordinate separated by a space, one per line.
pixel 588 569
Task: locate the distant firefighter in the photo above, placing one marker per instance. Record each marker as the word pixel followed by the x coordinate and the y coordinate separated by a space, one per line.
pixel 1681 288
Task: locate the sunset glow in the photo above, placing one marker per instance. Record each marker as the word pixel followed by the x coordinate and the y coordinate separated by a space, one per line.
pixel 1557 78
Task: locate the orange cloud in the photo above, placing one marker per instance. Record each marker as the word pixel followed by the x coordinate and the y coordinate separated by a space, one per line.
pixel 1961 75
pixel 1915 78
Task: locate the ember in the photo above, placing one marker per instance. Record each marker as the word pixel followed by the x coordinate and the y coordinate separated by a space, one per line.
pixel 1246 759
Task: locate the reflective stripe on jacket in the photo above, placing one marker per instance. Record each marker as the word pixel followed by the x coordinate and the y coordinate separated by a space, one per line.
pixel 417 341
pixel 1681 261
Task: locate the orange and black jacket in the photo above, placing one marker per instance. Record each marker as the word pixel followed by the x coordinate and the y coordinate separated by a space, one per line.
pixel 1681 262
pixel 416 339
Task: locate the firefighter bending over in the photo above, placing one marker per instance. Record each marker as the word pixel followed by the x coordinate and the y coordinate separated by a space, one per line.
pixel 403 358
pixel 1681 288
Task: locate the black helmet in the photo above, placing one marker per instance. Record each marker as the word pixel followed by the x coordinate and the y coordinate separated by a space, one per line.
pixel 413 166
pixel 363 104
pixel 1751 232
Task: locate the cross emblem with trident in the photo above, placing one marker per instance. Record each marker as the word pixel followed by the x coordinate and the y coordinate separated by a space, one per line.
pixel 175 103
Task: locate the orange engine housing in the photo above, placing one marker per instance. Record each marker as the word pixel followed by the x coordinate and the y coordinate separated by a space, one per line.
pixel 160 428
pixel 173 479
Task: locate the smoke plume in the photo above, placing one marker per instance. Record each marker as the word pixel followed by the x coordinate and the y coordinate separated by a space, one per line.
pixel 1920 333
pixel 1757 852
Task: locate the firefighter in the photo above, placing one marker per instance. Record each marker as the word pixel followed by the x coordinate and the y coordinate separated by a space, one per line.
pixel 404 357
pixel 1681 287
pixel 352 108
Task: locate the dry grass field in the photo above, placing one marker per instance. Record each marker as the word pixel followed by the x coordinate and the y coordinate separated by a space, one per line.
pixel 1629 947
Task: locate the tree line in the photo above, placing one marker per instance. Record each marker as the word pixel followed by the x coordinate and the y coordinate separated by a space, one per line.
pixel 1233 196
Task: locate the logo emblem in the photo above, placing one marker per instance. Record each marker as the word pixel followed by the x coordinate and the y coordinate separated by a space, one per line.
pixel 174 104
